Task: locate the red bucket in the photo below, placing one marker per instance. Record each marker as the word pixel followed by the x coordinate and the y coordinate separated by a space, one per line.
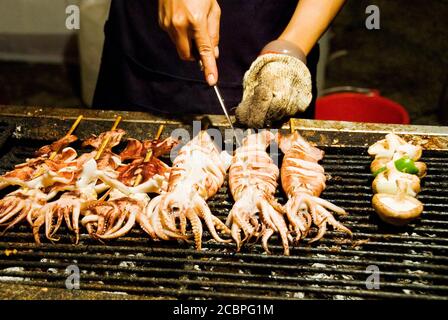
pixel 369 106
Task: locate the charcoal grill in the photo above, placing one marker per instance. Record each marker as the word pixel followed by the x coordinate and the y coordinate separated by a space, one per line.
pixel 412 261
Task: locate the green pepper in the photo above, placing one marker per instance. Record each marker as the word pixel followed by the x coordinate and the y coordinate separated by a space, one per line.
pixel 377 172
pixel 406 165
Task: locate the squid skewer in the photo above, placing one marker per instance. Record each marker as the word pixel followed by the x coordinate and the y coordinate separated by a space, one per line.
pixel 82 189
pixel 196 175
pixel 26 202
pixel 29 174
pixel 253 180
pixel 115 217
pixel 149 155
pixel 303 181
pixel 55 152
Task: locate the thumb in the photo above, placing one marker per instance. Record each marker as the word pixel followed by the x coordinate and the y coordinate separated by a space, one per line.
pixel 206 53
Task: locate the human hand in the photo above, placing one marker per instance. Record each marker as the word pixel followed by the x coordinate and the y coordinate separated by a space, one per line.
pixel 191 23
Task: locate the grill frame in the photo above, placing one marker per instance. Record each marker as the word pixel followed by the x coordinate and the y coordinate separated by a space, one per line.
pixel 299 273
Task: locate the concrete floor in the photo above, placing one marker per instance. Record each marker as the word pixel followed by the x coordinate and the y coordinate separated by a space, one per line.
pixel 405 60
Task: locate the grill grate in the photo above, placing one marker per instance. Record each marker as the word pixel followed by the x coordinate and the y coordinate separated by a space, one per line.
pixel 6 130
pixel 412 261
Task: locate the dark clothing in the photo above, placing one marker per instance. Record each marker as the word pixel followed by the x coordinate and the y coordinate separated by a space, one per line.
pixel 140 67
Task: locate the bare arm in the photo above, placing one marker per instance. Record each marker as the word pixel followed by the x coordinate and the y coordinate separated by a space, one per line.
pixel 310 20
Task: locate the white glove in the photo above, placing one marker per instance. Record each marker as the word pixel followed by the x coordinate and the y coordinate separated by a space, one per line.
pixel 277 85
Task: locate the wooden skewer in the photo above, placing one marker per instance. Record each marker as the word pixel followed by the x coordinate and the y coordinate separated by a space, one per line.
pixel 291 127
pixel 106 141
pixel 105 195
pixel 75 125
pixel 157 137
pixel 41 171
pixel 149 154
pixel 69 132
pixel 101 150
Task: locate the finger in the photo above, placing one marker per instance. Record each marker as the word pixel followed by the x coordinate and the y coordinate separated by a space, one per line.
pixel 183 43
pixel 206 52
pixel 163 20
pixel 214 21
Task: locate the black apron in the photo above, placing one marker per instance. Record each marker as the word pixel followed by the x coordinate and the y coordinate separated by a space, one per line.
pixel 140 68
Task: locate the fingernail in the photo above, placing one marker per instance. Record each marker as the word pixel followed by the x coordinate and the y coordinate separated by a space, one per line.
pixel 216 52
pixel 211 79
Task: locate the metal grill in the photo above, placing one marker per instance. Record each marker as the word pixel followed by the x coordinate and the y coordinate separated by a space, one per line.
pixel 412 261
pixel 5 132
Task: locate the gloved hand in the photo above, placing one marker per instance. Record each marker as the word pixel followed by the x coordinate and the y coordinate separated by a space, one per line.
pixel 278 84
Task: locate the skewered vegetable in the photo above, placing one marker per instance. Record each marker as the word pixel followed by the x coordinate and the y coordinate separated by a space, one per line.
pixel 397 179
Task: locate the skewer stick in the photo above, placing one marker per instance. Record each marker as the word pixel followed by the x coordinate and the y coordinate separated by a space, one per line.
pixel 41 171
pixel 149 154
pixel 69 132
pixel 150 151
pixel 106 141
pixel 105 195
pixel 291 127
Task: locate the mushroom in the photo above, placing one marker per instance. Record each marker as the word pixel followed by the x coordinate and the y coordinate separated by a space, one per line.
pixel 387 181
pixel 379 165
pixel 397 209
pixel 421 166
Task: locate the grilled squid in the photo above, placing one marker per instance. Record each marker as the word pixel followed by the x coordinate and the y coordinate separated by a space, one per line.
pixel 303 181
pixel 36 173
pixel 30 177
pixel 20 205
pixel 80 189
pixel 397 179
pixel 196 175
pixel 114 218
pixel 126 204
pixel 253 180
pixel 68 206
